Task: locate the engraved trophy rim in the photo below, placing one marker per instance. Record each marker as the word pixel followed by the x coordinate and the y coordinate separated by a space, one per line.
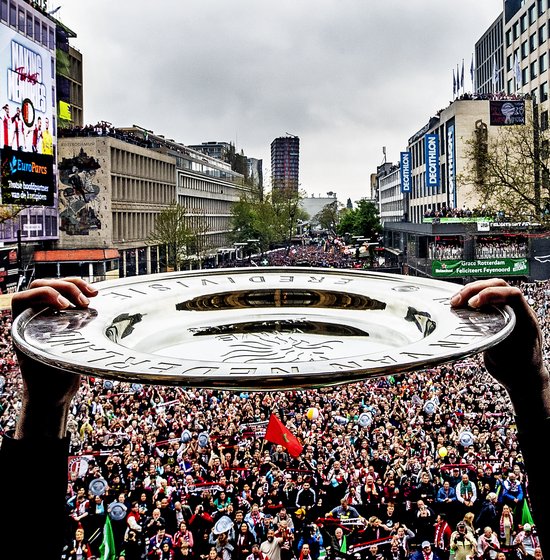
pixel 266 328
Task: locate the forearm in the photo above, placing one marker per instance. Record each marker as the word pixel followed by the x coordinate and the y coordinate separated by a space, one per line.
pixel 31 467
pixel 532 435
pixel 531 401
pixel 38 420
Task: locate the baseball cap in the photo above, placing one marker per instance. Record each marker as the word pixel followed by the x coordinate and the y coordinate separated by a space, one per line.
pixel 527 527
pixel 425 544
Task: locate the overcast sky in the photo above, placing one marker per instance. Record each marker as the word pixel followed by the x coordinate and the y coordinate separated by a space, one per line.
pixel 346 76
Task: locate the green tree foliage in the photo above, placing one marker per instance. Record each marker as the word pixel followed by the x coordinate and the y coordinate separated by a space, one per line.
pixel 173 230
pixel 510 171
pixel 288 212
pixel 271 219
pixel 328 217
pixel 363 220
pixel 9 211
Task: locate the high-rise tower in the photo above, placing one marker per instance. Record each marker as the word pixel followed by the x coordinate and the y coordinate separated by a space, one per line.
pixel 285 162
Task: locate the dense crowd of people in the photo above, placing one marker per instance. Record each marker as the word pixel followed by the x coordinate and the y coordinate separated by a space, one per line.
pixel 423 465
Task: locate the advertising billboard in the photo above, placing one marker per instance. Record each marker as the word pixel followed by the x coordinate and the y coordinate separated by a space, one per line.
pixel 451 165
pixel 405 172
pixel 27 141
pixel 506 113
pixel 432 160
pixel 483 267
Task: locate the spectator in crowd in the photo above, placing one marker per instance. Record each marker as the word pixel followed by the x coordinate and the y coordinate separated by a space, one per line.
pixel 487 544
pixel 134 439
pixel 463 544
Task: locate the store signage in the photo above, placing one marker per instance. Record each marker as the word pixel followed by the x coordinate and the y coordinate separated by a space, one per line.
pixel 432 160
pixel 405 172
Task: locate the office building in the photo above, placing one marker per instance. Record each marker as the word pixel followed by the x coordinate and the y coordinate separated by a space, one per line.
pixel 285 163
pixel 489 60
pixel 389 196
pixel 112 188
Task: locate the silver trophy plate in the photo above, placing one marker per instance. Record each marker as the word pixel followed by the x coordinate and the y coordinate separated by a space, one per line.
pixel 260 329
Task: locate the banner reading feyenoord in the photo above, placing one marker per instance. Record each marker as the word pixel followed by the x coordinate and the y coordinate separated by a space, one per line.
pixel 484 267
pixel 26 111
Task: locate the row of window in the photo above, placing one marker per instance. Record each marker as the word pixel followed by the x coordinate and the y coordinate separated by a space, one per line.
pixel 535 11
pixel 128 163
pixel 126 189
pixel 27 23
pixel 390 192
pixel 36 224
pixel 132 226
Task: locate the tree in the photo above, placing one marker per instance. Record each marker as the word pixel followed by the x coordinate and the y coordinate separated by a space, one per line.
pixel 172 230
pixel 198 242
pixel 286 204
pixel 363 220
pixel 328 216
pixel 9 211
pixel 272 219
pixel 510 170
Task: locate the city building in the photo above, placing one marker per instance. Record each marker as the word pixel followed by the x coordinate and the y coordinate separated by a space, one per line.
pixel 113 186
pixel 29 124
pixel 389 196
pixel 314 205
pixel 285 163
pixel 489 59
pixel 250 168
pixel 70 91
pixel 526 26
pixel 449 234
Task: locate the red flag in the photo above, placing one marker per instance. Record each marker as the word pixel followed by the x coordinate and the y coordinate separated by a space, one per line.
pixel 278 433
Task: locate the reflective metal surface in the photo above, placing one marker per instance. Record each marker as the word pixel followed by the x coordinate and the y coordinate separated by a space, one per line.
pixel 268 328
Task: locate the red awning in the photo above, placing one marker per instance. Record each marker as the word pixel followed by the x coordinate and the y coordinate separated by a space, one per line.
pixel 76 255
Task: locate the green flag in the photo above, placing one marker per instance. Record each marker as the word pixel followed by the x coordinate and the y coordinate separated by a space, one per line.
pixel 526 514
pixel 107 547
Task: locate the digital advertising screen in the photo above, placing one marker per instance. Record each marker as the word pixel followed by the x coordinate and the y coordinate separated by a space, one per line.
pixel 27 136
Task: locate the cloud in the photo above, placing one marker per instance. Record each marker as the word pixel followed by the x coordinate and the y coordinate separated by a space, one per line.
pixel 346 76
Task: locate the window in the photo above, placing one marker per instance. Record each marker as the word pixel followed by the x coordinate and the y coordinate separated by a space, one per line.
pixel 51 38
pixel 543 34
pixel 524 50
pixel 544 93
pixel 515 30
pixel 509 63
pixel 510 86
pixel 13 14
pixel 524 77
pixel 541 7
pixel 544 120
pixel 4 10
pixel 523 23
pixel 29 25
pixel 21 21
pixel 44 35
pixel 543 64
pixel 532 15
pixel 508 37
pixel 533 72
pixel 533 42
pixel 37 30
